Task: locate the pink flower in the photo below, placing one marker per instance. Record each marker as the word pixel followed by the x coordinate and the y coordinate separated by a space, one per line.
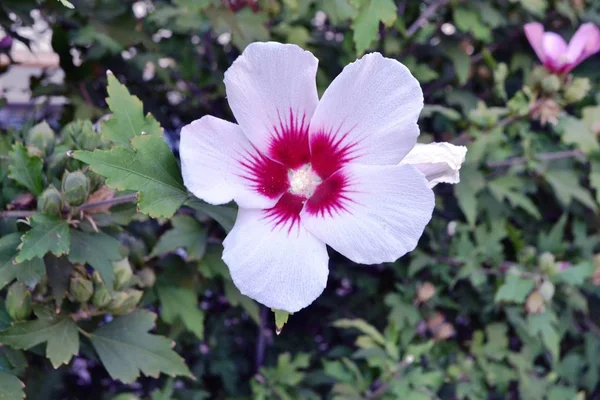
pixel 553 51
pixel 307 172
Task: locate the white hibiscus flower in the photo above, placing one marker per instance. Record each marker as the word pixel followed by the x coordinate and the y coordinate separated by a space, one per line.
pixel 341 171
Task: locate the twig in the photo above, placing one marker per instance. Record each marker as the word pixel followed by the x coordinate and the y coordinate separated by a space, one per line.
pixel 16 214
pixel 113 201
pixel 559 155
pixel 425 15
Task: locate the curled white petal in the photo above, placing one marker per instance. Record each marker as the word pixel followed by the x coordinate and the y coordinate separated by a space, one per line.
pixel 439 162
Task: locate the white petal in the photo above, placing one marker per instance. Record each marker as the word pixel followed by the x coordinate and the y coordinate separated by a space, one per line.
pixel 279 265
pixel 377 214
pixel 439 162
pixel 368 115
pixel 219 164
pixel 272 91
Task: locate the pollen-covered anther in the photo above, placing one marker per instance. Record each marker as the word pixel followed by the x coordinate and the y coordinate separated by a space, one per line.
pixel 303 181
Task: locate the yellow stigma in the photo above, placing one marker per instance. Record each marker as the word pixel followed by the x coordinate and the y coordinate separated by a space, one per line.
pixel 303 181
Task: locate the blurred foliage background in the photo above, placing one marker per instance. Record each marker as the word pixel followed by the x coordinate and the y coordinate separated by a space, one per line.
pixel 499 301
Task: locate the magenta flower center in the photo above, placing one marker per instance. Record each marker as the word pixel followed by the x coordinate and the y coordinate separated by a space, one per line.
pixel 300 170
pixel 303 181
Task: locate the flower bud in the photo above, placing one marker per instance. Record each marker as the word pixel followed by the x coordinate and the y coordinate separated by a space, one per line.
pixel 50 202
pixel 42 137
pixel 75 188
pixel 123 273
pixel 101 297
pixel 18 302
pixel 551 84
pixel 123 302
pixel 547 112
pixel 425 292
pixel 82 134
pixel 535 303
pixel 547 290
pixel 146 277
pixel 537 76
pixel 81 289
pixel 527 255
pixel 547 263
pixel 577 89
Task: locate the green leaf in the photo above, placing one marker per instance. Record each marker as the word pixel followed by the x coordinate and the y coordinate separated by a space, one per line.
pixel 281 318
pixel 67 4
pixel 26 170
pixel 575 275
pixel 59 331
pixel 8 250
pixel 188 233
pixel 338 11
pixel 150 168
pixel 181 303
pixel 11 388
pixel 511 188
pixel 98 250
pixel 566 187
pixel 48 233
pixel 126 348
pixel 366 23
pixel 58 270
pixel 245 26
pixel 544 325
pixel 574 131
pixel 469 21
pixel 236 298
pixel 224 215
pixel 30 272
pixel 466 192
pixel 461 62
pixel 127 120
pixel 514 290
pixel 363 326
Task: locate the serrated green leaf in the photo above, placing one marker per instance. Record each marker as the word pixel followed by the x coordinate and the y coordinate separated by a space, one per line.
pixel 127 120
pixel 188 233
pixel 150 168
pixel 366 23
pixel 566 188
pixel 574 131
pixel 98 250
pixel 236 298
pixel 466 192
pixel 510 188
pixel 26 170
pixel 30 272
pixel 8 250
pixel 12 361
pixel 126 348
pixel 181 303
pixel 544 325
pixel 575 275
pixel 338 11
pixel 224 215
pixel 11 388
pixel 514 290
pixel 60 332
pixel 244 25
pixel 48 234
pixel 461 62
pixel 58 270
pixel 363 326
